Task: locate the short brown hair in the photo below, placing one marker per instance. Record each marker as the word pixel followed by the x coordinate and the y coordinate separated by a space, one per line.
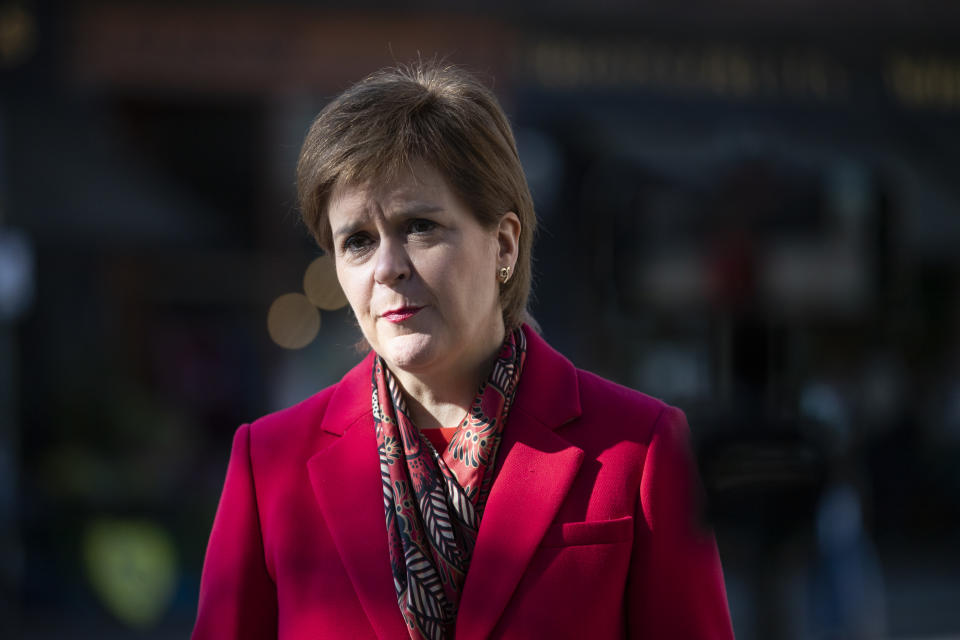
pixel 438 114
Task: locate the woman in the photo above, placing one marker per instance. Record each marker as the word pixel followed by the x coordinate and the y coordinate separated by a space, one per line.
pixel 464 479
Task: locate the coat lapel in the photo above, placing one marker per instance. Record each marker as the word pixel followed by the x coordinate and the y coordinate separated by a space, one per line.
pixel 347 485
pixel 536 470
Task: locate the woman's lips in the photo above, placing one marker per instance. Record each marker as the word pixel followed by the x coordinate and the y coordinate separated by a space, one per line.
pixel 400 315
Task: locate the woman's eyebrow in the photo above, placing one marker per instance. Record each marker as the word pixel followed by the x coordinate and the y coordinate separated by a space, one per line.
pixel 407 211
pixel 417 209
pixel 349 229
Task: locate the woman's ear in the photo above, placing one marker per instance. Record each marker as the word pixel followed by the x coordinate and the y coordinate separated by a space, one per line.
pixel 508 239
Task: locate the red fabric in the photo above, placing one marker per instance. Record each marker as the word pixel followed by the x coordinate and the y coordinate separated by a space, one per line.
pixel 589 530
pixel 440 438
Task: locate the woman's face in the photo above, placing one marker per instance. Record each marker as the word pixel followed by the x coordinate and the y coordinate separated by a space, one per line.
pixel 420 272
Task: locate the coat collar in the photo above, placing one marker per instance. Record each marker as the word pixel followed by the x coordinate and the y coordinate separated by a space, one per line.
pixel 548 389
pixel 351 399
pixel 535 469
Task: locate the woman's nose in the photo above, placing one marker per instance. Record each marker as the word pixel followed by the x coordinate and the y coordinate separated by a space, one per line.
pixel 393 263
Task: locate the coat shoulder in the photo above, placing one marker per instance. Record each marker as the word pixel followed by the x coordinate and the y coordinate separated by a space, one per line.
pixel 284 431
pixel 312 424
pixel 622 412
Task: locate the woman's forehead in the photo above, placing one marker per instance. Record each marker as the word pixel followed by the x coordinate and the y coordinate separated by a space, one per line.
pixel 419 184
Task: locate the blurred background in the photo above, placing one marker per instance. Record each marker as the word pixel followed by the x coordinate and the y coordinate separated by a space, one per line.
pixel 749 209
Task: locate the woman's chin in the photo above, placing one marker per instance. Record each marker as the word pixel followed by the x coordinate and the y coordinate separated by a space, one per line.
pixel 412 352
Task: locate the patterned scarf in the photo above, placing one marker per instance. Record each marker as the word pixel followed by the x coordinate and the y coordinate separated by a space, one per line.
pixel 433 503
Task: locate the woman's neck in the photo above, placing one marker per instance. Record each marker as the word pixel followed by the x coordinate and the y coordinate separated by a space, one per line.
pixel 431 408
pixel 442 399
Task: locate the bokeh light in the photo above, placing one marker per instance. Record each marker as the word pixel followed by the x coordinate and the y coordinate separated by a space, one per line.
pixel 132 566
pixel 17 35
pixel 321 285
pixel 293 321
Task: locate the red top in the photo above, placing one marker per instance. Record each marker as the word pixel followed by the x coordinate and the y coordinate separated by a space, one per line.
pixel 440 438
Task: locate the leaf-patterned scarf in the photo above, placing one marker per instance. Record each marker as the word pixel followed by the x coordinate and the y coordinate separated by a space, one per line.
pixel 433 503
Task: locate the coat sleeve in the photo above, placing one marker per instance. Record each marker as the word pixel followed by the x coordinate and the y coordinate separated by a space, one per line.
pixel 238 598
pixel 675 588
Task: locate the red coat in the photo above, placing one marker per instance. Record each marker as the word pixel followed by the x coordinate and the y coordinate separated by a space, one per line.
pixel 588 531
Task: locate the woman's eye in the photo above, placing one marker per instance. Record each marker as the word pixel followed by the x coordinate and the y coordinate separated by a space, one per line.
pixel 420 225
pixel 356 243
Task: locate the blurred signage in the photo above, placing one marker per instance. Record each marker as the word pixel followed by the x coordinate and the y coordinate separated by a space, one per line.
pixel 924 81
pixel 720 69
pixel 266 49
pixel 276 49
pixel 797 75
